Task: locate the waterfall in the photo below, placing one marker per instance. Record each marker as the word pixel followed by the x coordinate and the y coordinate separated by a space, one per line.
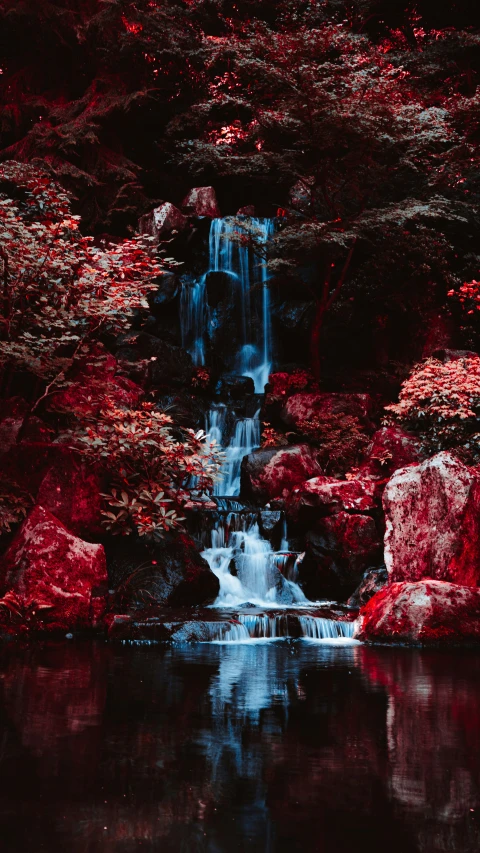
pixel 194 319
pixel 248 291
pixel 245 438
pixel 246 628
pixel 245 566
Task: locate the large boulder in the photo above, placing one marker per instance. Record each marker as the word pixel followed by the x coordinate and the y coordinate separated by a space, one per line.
pixel 71 491
pixel 429 612
pixel 273 472
pixel 164 573
pixel 338 551
pixel 162 222
pixel 390 448
pixel 57 579
pixel 201 201
pixel 432 516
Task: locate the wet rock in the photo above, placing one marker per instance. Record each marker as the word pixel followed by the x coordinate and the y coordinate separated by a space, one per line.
pixel 186 409
pixel 218 286
pixel 54 575
pixel 432 515
pixel 273 472
pixel 232 386
pixel 270 522
pixel 71 491
pixel 390 448
pixel 429 612
pixel 338 551
pixel 201 201
pixel 163 221
pixel 170 573
pixel 248 210
pixel 372 582
pixel 327 496
pixel 168 290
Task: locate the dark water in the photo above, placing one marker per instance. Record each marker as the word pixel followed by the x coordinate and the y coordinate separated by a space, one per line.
pixel 268 747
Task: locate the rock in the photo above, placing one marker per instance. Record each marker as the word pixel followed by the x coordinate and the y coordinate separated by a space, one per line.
pixel 301 194
pixel 54 575
pixel 218 286
pixel 338 551
pixel 306 406
pixel 270 522
pixel 168 290
pixel 169 573
pixel 71 491
pixel 372 582
pixel 274 472
pixel 390 448
pixel 166 364
pixel 201 201
pixel 447 355
pixel 248 210
pixel 235 387
pixel 185 409
pixel 13 413
pixel 328 496
pixel 429 612
pixel 432 515
pixel 163 221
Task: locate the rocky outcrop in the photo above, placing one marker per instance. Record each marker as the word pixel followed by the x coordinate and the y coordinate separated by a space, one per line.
pixel 164 221
pixel 201 201
pixel 337 551
pixel 432 516
pixel 429 612
pixel 273 472
pixel 232 386
pixel 58 581
pixel 161 573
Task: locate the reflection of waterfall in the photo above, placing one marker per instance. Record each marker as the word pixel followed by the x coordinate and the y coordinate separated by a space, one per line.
pixel 248 292
pixel 245 438
pixel 245 566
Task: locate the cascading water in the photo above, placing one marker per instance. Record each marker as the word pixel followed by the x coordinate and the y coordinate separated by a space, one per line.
pixel 245 438
pixel 248 277
pixel 250 573
pixel 245 566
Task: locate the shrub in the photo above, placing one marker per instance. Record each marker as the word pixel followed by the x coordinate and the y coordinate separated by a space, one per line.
pixel 442 403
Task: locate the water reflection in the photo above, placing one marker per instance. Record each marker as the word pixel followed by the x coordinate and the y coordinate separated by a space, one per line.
pixel 270 747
